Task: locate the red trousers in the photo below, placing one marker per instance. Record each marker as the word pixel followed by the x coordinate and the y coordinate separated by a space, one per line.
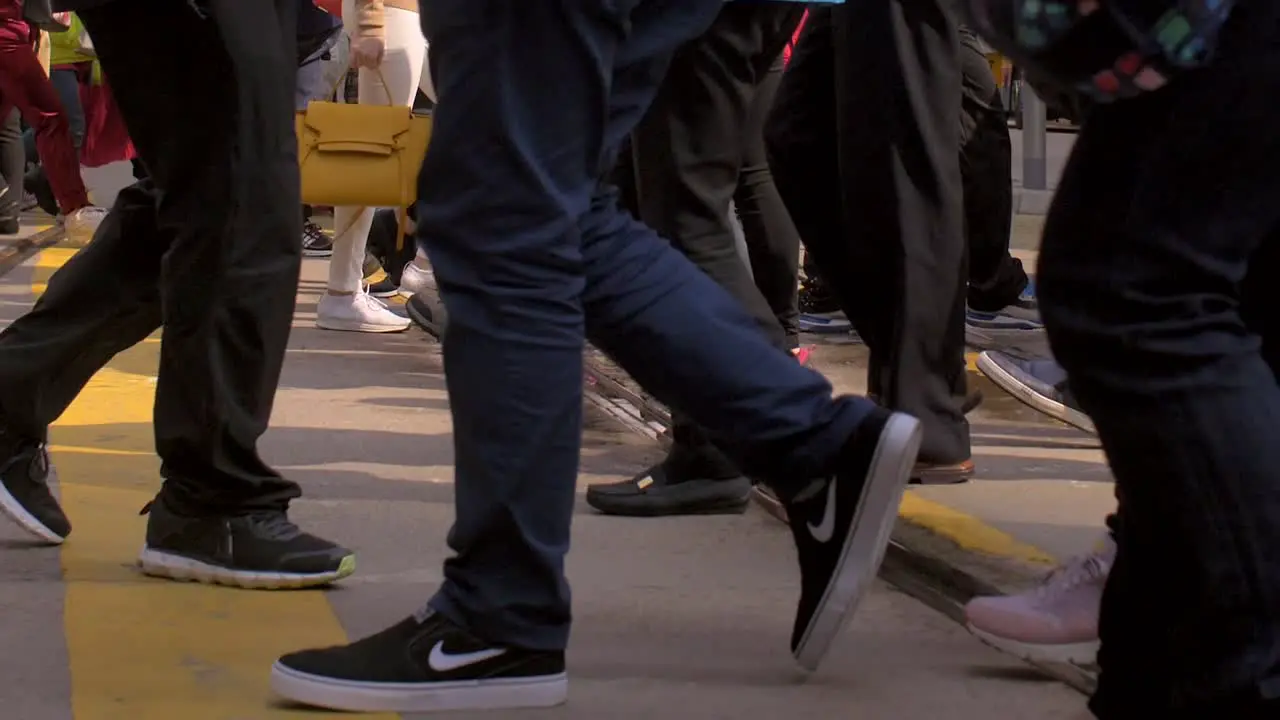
pixel 24 85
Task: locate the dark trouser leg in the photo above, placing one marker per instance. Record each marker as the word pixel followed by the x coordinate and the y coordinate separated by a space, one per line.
pixel 218 252
pixel 800 142
pixel 1167 204
pixel 12 165
pixel 688 151
pixel 772 241
pixel 895 257
pixel 527 258
pixel 899 165
pixel 996 278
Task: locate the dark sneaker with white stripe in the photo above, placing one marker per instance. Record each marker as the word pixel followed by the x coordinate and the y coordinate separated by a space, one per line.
pixel 425 663
pixel 261 550
pixel 1039 382
pixel 25 495
pixel 315 241
pixel 842 525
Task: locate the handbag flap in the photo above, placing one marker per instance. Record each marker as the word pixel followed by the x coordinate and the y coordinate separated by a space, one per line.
pixel 337 127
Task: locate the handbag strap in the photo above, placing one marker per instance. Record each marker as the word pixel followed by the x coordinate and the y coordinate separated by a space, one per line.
pixel 382 80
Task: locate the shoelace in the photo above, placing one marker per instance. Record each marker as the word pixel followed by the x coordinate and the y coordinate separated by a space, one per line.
pixel 270 525
pixel 365 300
pixel 313 233
pixel 275 526
pixel 1074 573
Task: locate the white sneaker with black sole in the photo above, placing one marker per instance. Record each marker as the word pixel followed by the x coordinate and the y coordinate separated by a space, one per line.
pixel 25 495
pixel 842 526
pixel 425 663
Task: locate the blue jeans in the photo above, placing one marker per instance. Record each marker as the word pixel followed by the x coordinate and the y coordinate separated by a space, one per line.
pixel 1167 205
pixel 67 84
pixel 533 256
pixel 311 84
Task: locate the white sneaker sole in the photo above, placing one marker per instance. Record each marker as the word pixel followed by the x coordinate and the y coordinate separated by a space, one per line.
pixel 353 696
pixel 1078 654
pixel 10 506
pixel 357 326
pixel 158 563
pixel 1032 399
pixel 868 538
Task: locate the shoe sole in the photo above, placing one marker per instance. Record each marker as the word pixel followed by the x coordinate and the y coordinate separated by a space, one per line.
pixel 343 326
pixel 734 506
pixel 1009 323
pixel 10 506
pixel 353 696
pixel 1032 399
pixel 158 563
pixel 317 253
pixel 385 293
pixel 868 538
pixel 1078 654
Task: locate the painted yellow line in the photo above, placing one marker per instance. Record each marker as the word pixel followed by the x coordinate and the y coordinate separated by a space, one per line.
pixel 144 649
pixel 967 531
pixel 971 362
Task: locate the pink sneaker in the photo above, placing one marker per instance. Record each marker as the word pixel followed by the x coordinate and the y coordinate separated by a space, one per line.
pixel 1056 622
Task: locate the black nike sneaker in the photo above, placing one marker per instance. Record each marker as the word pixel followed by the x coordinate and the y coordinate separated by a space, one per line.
pixel 424 663
pixel 25 495
pixel 842 526
pixel 261 550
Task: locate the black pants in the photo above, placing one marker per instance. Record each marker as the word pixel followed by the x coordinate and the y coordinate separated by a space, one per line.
pixel 1158 284
pixel 996 278
pixel 773 244
pixel 699 146
pixel 207 247
pixel 864 147
pixel 12 165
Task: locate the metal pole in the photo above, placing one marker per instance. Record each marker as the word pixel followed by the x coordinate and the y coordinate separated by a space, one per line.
pixel 1035 170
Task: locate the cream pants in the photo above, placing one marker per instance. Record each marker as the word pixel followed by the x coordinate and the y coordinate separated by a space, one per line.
pixel 405 71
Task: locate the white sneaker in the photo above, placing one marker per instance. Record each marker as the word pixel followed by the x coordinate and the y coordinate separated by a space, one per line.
pixel 415 279
pixel 83 223
pixel 358 312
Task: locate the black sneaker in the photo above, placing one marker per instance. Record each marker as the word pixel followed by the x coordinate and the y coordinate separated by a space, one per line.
pixel 1040 383
pixel 261 550
pixel 10 226
pixel 428 315
pixel 384 288
pixel 25 495
pixel 842 525
pixel 655 493
pixel 422 664
pixel 315 241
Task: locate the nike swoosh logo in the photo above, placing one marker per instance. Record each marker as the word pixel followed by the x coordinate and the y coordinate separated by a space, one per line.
pixel 823 531
pixel 441 661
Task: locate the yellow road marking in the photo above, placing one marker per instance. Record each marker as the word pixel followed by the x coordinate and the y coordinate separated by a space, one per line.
pixel 144 649
pixel 967 531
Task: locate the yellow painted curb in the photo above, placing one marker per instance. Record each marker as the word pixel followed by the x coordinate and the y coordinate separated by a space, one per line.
pixel 141 648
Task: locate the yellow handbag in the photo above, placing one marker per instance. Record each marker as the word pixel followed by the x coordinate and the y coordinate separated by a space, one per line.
pixel 361 155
